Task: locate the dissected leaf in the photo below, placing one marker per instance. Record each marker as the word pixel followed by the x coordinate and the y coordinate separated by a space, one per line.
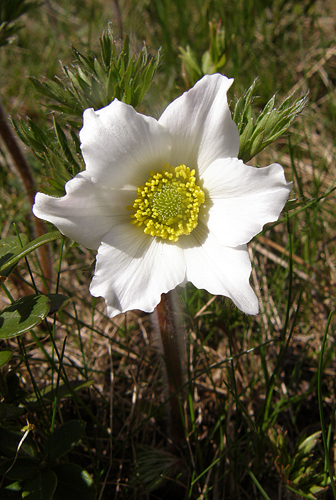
pixel 155 466
pixel 92 81
pixel 255 133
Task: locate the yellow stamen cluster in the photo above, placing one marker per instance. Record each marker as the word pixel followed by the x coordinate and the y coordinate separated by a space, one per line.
pixel 168 204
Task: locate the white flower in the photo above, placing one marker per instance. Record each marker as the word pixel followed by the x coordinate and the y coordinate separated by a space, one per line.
pixel 167 201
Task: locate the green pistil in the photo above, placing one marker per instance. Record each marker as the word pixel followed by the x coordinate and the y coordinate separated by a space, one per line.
pixel 168 204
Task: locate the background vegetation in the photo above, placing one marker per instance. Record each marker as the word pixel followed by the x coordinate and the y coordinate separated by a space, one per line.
pixel 82 398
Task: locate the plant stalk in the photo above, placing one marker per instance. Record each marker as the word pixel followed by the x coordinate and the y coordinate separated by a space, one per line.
pixel 171 337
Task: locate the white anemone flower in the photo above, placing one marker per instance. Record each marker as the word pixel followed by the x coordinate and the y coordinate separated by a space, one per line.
pixel 167 201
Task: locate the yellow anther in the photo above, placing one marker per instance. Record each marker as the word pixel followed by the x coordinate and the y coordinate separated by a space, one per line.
pixel 168 204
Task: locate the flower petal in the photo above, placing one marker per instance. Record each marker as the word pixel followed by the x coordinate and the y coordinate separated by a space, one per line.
pixel 87 212
pixel 121 146
pixel 134 269
pixel 201 125
pixel 242 199
pixel 220 270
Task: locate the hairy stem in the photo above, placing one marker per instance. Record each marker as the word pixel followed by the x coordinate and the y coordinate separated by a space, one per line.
pixel 172 340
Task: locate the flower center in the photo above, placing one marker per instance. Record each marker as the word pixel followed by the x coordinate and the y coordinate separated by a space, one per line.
pixel 168 203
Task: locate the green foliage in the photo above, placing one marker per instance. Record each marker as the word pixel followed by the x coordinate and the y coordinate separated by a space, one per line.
pixel 245 378
pixel 10 14
pixel 212 61
pixel 10 412
pixel 38 475
pixel 5 356
pixel 12 251
pixel 301 472
pixel 9 247
pixel 257 133
pixel 13 442
pixel 36 470
pixel 22 315
pixel 156 468
pixel 63 439
pixel 42 485
pixel 93 82
pixel 73 483
pixel 49 394
pixel 56 151
pixel 27 312
pixel 90 82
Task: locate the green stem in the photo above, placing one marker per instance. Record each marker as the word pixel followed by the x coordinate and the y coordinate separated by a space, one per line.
pixel 172 340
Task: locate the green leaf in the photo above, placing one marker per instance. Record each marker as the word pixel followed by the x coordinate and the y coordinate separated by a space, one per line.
pixel 22 315
pixel 9 412
pixel 74 483
pixel 41 487
pixel 12 443
pixel 10 13
pixel 20 469
pixel 155 466
pixel 9 247
pixel 57 302
pixel 49 393
pixel 309 443
pixel 63 142
pixel 257 133
pixel 5 356
pixel 12 383
pixel 11 492
pixel 28 248
pixel 63 439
